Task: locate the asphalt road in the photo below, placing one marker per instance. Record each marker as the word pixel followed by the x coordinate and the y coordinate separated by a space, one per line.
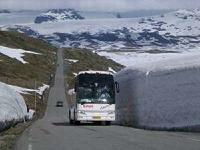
pixel 53 132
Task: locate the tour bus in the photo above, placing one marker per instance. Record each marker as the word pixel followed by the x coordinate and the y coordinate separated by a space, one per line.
pixel 94 98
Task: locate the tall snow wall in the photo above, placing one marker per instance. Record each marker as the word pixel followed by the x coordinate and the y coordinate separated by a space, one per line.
pixel 160 95
pixel 12 107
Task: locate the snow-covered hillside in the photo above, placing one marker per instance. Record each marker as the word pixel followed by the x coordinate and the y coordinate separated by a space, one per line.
pixel 15 53
pixel 56 15
pixel 177 30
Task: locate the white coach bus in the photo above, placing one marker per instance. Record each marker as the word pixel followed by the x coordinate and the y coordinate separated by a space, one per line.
pixel 94 98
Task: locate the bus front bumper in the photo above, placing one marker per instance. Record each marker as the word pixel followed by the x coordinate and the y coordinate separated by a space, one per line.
pixel 95 118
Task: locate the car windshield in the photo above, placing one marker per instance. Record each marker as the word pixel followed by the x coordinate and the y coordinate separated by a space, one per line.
pixel 96 89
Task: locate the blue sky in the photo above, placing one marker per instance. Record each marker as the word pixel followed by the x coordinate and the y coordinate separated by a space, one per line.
pixel 101 5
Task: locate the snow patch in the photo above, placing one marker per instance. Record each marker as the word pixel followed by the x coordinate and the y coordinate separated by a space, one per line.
pixel 75 74
pixel 41 89
pixel 72 60
pixel 30 114
pixel 95 72
pixel 15 53
pixel 71 92
pixel 22 90
pixel 110 69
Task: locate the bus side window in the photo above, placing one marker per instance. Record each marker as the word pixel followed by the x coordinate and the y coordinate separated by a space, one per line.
pixel 117 87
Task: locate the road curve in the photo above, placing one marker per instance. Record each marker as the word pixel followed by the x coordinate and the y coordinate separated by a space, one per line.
pixel 53 132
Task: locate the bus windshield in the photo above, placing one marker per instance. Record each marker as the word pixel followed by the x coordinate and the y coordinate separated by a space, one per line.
pixel 95 88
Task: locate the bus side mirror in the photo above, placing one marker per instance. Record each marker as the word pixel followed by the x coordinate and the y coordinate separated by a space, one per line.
pixel 117 87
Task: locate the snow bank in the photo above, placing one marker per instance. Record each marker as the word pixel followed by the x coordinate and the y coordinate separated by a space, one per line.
pixel 72 60
pixel 15 53
pixel 110 69
pixel 21 90
pixel 95 72
pixel 163 94
pixel 12 106
pixel 41 89
pixel 71 96
pixel 30 114
pixel 71 92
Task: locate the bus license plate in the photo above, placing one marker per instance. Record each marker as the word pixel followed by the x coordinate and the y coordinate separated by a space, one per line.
pixel 96 117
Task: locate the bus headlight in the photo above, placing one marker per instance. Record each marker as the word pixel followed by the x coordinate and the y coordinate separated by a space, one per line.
pixel 81 112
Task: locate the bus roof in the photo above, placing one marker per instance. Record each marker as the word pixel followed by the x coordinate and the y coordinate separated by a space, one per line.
pixel 95 72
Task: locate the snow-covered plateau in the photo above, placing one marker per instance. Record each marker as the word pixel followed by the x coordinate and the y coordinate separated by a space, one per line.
pixel 172 32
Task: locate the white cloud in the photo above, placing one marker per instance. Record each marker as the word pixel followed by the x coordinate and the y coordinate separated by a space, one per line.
pixel 99 4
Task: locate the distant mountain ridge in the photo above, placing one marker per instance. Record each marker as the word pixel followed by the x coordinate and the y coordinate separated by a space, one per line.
pixel 55 15
pixel 4 11
pixel 171 31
